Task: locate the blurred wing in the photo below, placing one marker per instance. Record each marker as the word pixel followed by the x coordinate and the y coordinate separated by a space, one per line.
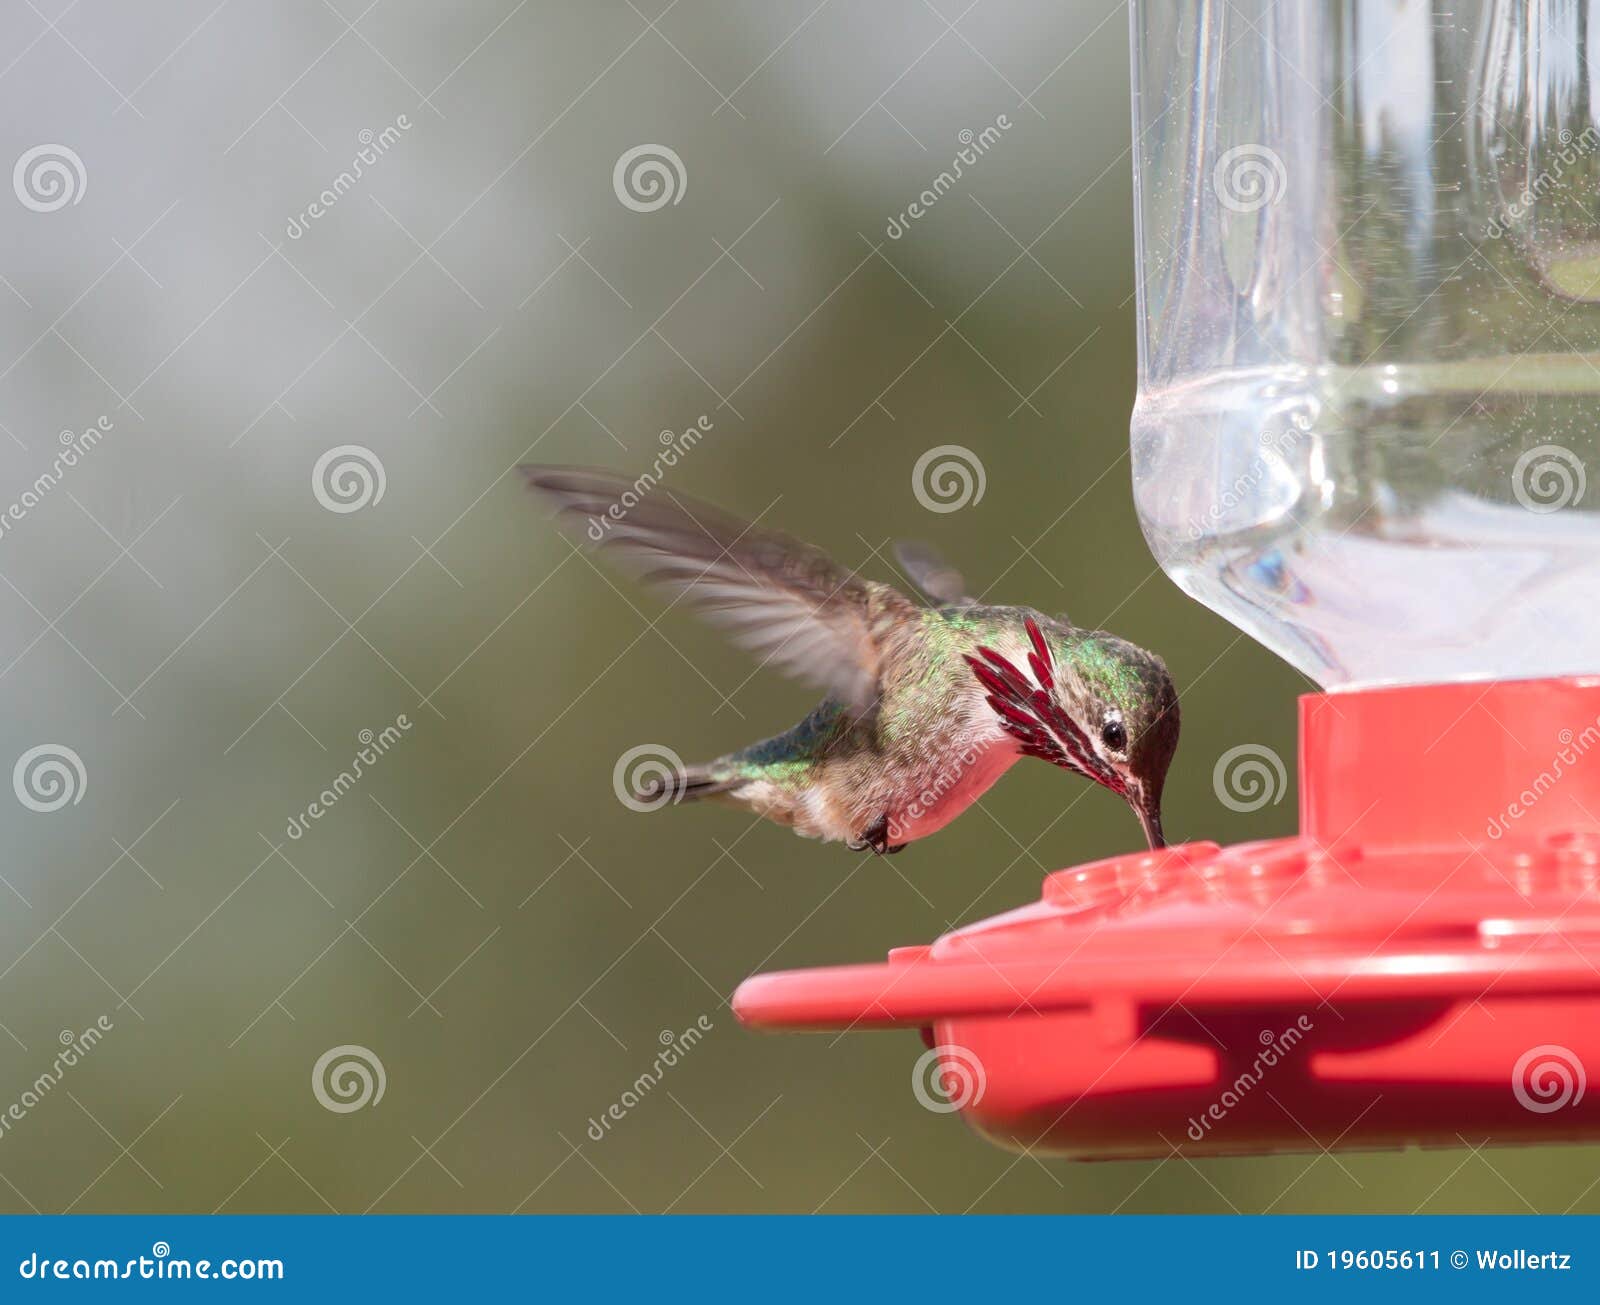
pixel 939 583
pixel 787 602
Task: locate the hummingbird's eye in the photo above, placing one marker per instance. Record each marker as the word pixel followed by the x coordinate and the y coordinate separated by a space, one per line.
pixel 1114 735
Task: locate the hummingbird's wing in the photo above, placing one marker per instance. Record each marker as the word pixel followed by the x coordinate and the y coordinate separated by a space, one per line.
pixel 786 601
pixel 938 582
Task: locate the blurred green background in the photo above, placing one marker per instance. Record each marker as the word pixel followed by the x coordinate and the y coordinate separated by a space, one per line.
pixel 479 911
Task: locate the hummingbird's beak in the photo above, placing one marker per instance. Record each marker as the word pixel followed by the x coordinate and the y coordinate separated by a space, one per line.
pixel 1149 813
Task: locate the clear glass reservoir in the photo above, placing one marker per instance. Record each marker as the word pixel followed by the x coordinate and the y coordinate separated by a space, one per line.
pixel 1369 351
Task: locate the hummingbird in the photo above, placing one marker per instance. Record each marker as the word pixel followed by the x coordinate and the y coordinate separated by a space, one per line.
pixel 927 704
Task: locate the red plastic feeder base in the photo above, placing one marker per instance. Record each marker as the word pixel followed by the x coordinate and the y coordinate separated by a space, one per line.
pixel 1421 967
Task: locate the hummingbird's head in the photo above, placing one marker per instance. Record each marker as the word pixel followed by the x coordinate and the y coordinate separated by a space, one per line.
pixel 1093 704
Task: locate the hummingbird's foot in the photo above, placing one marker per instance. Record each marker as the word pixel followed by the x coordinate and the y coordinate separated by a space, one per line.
pixel 875 838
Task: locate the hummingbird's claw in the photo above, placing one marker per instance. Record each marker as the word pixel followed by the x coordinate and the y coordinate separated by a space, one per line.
pixel 875 838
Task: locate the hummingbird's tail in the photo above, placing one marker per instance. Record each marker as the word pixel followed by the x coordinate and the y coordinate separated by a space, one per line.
pixel 684 784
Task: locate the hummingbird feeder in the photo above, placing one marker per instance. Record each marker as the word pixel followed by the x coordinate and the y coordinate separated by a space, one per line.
pixel 1369 366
